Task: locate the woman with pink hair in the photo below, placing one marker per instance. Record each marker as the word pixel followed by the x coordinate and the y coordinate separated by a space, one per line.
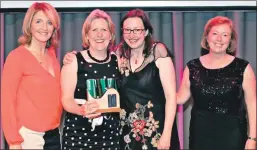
pixel 31 93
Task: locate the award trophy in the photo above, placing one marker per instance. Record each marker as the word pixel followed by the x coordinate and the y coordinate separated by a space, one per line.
pixel 104 91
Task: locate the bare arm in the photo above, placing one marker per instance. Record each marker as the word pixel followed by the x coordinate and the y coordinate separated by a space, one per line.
pixel 249 87
pixel 68 84
pixel 168 81
pixel 184 92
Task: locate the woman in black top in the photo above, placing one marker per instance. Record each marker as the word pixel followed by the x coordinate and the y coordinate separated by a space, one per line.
pixel 220 84
pixel 83 128
pixel 148 87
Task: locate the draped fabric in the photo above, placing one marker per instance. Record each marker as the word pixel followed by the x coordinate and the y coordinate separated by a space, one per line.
pixel 181 31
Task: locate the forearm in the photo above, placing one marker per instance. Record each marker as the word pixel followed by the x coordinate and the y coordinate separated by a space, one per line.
pixel 71 106
pixel 180 99
pixel 170 113
pixel 251 109
pixel 183 95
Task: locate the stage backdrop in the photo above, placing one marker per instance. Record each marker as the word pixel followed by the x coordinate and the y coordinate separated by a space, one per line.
pixel 180 31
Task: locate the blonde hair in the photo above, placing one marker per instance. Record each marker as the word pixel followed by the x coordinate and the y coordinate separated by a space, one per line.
pixel 218 20
pixel 96 14
pixel 51 13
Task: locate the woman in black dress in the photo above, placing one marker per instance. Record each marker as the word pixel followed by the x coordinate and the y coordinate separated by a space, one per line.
pixel 83 128
pixel 148 88
pixel 220 84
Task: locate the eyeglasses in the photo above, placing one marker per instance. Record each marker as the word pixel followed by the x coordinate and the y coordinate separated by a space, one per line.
pixel 135 31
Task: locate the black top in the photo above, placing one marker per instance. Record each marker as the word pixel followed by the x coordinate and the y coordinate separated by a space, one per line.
pixel 87 70
pixel 144 85
pixel 218 117
pixel 140 87
pixel 78 131
pixel 218 90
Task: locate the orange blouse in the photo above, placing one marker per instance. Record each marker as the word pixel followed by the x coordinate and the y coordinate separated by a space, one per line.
pixel 30 95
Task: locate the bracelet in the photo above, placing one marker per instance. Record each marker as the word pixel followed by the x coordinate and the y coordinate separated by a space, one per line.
pixel 251 138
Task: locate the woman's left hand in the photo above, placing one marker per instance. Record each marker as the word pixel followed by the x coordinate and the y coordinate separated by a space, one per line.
pixel 164 142
pixel 69 57
pixel 250 144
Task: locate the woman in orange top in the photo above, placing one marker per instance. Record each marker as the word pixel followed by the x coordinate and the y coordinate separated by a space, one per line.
pixel 31 104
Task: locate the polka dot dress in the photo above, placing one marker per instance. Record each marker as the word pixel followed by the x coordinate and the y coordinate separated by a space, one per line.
pixel 77 131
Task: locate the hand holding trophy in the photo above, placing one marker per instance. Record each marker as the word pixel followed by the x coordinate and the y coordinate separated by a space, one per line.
pixel 90 108
pixel 104 92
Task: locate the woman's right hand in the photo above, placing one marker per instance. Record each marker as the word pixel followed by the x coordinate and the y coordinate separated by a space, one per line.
pixel 69 57
pixel 90 108
pixel 15 147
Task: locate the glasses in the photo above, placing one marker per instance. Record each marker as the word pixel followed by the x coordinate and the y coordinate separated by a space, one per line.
pixel 135 31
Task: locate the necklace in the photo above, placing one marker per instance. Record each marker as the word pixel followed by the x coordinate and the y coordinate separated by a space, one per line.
pixel 137 54
pixel 96 60
pixel 136 60
pixel 39 57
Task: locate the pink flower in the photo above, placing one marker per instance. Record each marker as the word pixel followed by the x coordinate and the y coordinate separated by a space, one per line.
pixel 141 132
pixel 139 124
pixel 127 139
pixel 138 138
pixel 144 140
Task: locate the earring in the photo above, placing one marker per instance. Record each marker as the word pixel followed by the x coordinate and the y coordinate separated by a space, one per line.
pixel 48 43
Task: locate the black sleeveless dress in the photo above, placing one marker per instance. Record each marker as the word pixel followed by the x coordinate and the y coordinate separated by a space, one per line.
pixel 218 117
pixel 77 131
pixel 141 93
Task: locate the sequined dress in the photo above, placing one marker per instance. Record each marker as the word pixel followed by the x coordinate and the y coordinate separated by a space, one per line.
pixel 218 117
pixel 141 93
pixel 77 131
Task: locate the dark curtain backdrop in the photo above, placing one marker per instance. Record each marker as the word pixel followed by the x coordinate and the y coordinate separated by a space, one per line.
pixel 181 31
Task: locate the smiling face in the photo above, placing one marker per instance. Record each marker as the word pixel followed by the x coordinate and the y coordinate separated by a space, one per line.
pixel 136 38
pixel 99 35
pixel 219 38
pixel 41 28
